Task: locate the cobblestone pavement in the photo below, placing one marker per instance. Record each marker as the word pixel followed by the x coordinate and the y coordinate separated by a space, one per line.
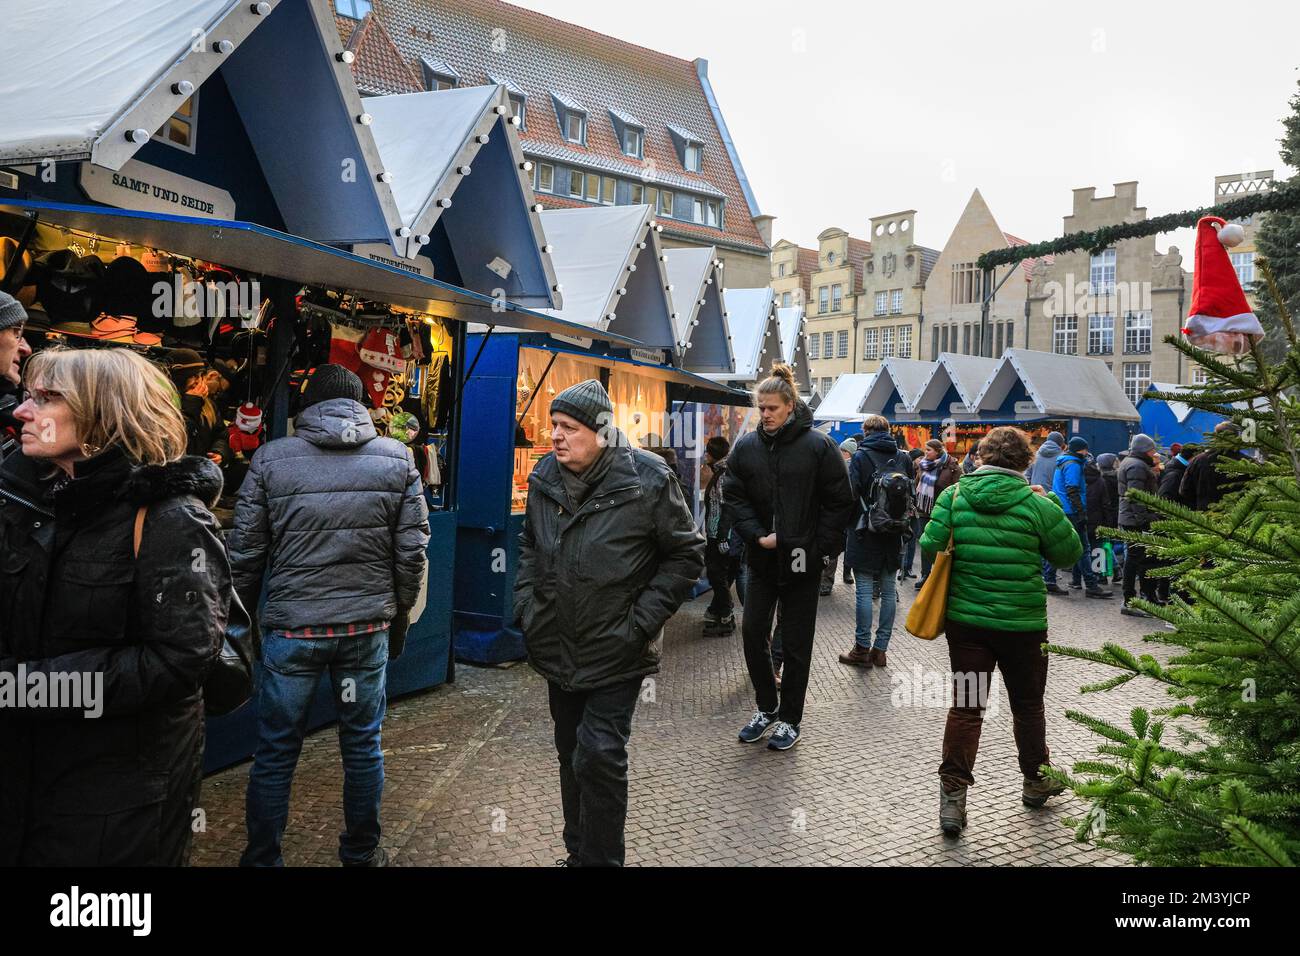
pixel 472 777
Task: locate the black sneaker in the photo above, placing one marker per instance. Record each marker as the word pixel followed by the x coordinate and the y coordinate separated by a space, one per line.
pixel 1096 592
pixel 1076 587
pixel 757 728
pixel 784 736
pixel 378 858
pixel 1054 588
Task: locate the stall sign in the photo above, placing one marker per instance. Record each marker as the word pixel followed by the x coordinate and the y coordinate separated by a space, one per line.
pixel 582 343
pixel 150 189
pixel 650 356
pixel 383 252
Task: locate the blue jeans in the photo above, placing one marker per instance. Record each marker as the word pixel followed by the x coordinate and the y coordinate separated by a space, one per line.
pixel 291 669
pixel 865 583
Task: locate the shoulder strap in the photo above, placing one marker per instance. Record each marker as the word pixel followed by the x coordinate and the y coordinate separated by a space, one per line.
pixel 952 525
pixel 139 530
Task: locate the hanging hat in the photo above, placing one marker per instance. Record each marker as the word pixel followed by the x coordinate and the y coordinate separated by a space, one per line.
pixel 248 418
pixel 1220 318
pixel 381 351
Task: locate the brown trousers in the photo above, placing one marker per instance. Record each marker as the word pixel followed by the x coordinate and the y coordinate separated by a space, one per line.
pixel 974 652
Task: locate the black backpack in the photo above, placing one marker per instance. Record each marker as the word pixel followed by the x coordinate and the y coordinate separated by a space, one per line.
pixel 889 506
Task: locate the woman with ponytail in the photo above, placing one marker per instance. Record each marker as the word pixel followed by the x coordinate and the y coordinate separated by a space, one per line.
pixel 787 493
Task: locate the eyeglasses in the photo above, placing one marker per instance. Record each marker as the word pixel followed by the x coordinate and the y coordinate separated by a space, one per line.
pixel 40 397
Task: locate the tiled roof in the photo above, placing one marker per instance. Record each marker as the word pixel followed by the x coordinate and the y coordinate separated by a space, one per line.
pixel 542 56
pixel 928 258
pixel 806 265
pixel 379 67
pixel 1026 265
pixel 859 249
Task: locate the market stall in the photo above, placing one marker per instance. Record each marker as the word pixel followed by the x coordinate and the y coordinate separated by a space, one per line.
pixel 699 317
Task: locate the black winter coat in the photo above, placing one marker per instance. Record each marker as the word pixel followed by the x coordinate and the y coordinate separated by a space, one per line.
pixel 1171 481
pixel 793 483
pixel 871 552
pixel 596 585
pixel 1111 480
pixel 338 517
pixel 1202 484
pixel 1098 492
pixel 117 789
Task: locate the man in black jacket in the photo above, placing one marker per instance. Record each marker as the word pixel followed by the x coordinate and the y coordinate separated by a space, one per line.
pixel 788 492
pixel 721 564
pixel 335 518
pixel 608 553
pixel 1203 484
pixel 13 349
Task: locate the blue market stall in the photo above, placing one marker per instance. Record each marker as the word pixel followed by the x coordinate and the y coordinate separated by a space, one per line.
pixel 1170 422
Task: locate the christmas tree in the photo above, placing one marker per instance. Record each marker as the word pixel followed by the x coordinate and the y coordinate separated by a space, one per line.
pixel 1212 777
pixel 1278 240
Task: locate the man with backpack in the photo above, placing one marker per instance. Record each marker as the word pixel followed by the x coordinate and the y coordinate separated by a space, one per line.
pixel 1070 487
pixel 880 474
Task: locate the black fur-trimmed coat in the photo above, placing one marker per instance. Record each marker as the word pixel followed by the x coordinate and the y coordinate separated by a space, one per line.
pixel 118 788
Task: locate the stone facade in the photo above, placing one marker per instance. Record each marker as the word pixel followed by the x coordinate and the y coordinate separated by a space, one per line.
pixel 893 292
pixel 1118 306
pixel 954 295
pixel 832 307
pixel 791 274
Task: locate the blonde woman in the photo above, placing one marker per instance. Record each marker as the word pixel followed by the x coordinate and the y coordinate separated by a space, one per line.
pixel 105 770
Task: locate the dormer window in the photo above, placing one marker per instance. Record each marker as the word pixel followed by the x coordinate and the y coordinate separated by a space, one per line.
pixel 438 75
pixel 630 133
pixel 518 98
pixel 572 118
pixel 353 9
pixel 690 148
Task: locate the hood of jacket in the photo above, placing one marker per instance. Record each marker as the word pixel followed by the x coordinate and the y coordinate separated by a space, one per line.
pixel 190 475
pixel 1049 450
pixel 335 423
pixel 993 490
pixel 882 442
pixel 800 421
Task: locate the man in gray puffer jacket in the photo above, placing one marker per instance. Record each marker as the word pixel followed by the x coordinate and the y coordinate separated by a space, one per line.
pixel 337 517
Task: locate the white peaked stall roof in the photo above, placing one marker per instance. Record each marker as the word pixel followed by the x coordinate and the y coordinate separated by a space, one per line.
pixel 755 335
pixel 793 351
pixel 1180 409
pixel 454 156
pixel 610 272
pixel 906 376
pixel 1066 385
pixel 699 317
pixel 966 373
pixel 93 81
pixel 843 403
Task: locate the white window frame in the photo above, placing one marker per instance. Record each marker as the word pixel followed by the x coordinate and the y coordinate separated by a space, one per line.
pixel 1137 377
pixel 638 134
pixel 579 177
pixel 1101 273
pixel 1200 375
pixel 882 303
pixel 785 300
pixel 823 299
pixel 520 105
pixel 665 204
pixel 1244 264
pixel 780 270
pixel 695 151
pixel 545 171
pixel 828 345
pixel 870 343
pixel 904 341
pixel 886 341
pixel 896 302
pixel 837 296
pixel 191 121
pixel 828 382
pixel 842 343
pixel 1065 334
pixel 713 213
pixel 565 130
pixel 1137 333
pixel 1101 334
pixel 814 346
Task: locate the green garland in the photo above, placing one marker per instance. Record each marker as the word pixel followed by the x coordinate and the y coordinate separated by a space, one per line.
pixel 1285 196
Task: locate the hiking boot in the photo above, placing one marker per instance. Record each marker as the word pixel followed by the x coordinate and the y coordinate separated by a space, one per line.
pixel 952 810
pixel 878 657
pixel 719 627
pixel 1054 588
pixel 1132 611
pixel 1035 792
pixel 784 736
pixel 858 657
pixel 757 728
pixel 378 858
pixel 1096 592
pixel 825 590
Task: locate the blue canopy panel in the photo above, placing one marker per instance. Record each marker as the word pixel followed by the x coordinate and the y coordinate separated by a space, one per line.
pixel 1159 420
pixel 307 123
pixel 255 249
pixel 464 190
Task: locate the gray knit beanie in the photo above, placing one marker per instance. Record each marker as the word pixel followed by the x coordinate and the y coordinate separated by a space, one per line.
pixel 1142 444
pixel 587 401
pixel 12 312
pixel 332 381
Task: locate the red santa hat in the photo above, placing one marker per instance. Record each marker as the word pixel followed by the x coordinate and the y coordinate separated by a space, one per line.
pixel 1220 318
pixel 382 352
pixel 248 418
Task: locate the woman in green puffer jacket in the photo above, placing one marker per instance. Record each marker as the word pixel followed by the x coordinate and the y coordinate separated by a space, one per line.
pixel 1002 530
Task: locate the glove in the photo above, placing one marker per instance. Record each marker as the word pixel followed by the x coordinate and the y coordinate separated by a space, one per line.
pixel 723 547
pixel 397 633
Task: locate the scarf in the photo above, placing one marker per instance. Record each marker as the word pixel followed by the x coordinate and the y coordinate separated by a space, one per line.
pixel 579 486
pixel 714 502
pixel 929 479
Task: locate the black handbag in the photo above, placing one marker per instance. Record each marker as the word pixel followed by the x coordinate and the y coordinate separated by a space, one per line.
pixel 229 684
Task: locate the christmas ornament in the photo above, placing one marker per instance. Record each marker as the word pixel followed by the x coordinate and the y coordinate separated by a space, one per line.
pixel 1220 318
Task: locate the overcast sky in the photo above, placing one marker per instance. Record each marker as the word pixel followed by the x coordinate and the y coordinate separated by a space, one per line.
pixel 844 110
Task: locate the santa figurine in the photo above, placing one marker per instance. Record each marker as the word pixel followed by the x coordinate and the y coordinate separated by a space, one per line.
pixel 1220 319
pixel 246 434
